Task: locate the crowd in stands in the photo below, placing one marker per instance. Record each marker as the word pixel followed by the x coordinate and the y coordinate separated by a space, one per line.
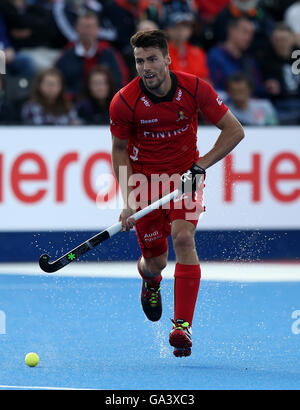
pixel 61 61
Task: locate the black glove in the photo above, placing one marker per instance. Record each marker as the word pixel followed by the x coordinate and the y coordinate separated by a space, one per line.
pixel 190 180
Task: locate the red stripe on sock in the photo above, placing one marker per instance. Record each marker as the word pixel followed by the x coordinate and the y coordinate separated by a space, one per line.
pixel 186 287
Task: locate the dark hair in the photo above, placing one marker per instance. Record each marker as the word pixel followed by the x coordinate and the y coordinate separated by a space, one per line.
pixel 240 77
pixel 88 14
pixel 61 105
pixel 234 21
pixel 151 38
pixel 281 26
pixel 110 80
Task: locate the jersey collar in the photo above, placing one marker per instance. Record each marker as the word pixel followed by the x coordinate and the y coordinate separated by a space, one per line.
pixel 168 97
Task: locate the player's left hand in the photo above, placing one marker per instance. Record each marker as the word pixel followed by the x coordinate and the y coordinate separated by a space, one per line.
pixel 190 180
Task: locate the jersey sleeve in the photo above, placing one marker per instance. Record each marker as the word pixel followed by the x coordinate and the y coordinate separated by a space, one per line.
pixel 120 114
pixel 209 103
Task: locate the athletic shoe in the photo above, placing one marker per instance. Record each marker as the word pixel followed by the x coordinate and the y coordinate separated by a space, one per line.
pixel 151 302
pixel 181 338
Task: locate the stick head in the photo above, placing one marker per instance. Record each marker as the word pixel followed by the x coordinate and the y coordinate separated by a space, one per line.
pixel 44 263
pixel 54 266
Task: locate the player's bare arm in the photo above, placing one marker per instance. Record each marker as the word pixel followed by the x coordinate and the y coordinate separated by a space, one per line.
pixel 231 135
pixel 120 159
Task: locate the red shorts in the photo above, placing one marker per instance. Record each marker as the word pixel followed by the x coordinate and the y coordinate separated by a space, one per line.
pixel 153 229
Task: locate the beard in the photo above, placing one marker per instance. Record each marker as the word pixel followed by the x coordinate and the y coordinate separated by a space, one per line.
pixel 156 84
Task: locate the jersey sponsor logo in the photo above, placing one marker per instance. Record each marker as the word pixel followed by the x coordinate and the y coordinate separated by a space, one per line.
pixel 181 116
pixel 179 95
pixel 165 134
pixel 145 101
pixel 219 101
pixel 153 120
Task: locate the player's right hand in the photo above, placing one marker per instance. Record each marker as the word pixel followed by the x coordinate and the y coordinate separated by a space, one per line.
pixel 126 220
pixel 190 180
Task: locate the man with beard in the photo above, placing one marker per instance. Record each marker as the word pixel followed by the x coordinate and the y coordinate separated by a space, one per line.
pixel 154 132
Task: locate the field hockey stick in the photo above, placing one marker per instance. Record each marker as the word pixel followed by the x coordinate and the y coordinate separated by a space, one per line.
pixel 94 241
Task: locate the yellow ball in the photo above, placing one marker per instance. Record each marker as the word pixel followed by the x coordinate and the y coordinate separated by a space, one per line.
pixel 32 359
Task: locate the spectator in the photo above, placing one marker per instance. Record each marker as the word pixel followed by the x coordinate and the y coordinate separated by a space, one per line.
pixel 125 15
pixel 276 8
pixel 250 9
pixel 26 24
pixel 48 105
pixel 209 10
pixel 66 13
pixel 16 63
pixel 234 57
pixel 8 113
pixel 30 28
pixel 179 28
pixel 94 106
pixel 281 81
pixel 77 60
pixel 292 19
pixel 249 111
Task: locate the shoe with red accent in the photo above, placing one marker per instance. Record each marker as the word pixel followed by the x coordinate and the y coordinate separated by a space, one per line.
pixel 181 338
pixel 151 302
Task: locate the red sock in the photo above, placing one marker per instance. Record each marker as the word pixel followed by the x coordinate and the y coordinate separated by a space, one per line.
pixel 153 282
pixel 187 281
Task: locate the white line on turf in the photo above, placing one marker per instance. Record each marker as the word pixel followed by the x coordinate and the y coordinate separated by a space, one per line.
pixel 215 271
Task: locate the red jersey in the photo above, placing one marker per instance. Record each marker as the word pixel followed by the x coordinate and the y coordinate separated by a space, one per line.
pixel 162 131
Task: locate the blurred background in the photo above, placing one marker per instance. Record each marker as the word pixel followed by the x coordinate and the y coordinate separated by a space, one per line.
pixel 61 63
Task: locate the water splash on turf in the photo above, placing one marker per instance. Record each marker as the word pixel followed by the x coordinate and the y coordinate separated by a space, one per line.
pixel 162 340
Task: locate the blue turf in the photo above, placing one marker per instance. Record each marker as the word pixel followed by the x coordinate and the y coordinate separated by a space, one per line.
pixel 91 333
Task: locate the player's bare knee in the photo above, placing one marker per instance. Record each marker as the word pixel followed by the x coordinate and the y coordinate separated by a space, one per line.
pixel 183 240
